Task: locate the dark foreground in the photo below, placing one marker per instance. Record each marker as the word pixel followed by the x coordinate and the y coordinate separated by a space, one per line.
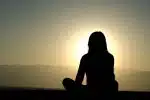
pixel 53 94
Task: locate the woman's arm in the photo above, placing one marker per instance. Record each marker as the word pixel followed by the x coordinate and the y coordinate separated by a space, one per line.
pixel 81 72
pixel 111 64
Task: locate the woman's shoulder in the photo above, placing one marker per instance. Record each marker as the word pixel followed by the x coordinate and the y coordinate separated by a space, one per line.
pixel 110 56
pixel 107 55
pixel 85 56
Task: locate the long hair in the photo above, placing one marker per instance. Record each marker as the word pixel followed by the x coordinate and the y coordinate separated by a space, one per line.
pixel 97 42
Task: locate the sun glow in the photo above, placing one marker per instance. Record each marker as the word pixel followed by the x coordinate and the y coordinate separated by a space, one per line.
pixel 82 46
pixel 78 44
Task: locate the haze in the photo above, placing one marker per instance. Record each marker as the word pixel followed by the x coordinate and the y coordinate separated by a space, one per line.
pixel 47 32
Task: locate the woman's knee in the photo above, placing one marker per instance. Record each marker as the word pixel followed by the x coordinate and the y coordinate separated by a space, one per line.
pixel 68 83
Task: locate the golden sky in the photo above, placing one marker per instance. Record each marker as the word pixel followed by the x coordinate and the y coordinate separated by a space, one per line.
pixel 50 32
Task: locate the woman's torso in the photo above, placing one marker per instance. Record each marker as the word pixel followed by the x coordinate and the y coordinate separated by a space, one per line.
pixel 99 69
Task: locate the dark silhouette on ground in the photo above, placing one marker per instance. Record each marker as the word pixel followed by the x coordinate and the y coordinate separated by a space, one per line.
pixel 98 65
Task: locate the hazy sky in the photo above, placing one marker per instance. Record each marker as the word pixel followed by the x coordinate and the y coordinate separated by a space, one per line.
pixel 48 31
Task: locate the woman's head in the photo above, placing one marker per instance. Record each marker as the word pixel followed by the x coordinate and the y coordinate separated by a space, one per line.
pixel 97 42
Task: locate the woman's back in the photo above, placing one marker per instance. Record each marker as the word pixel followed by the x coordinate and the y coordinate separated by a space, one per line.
pixel 99 69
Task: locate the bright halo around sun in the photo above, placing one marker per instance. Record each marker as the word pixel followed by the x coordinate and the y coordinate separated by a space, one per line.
pixel 82 47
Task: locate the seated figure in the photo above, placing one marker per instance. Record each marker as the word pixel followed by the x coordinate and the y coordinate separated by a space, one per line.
pixel 98 66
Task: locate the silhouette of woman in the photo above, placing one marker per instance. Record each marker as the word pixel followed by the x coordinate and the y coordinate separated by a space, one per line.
pixel 98 65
